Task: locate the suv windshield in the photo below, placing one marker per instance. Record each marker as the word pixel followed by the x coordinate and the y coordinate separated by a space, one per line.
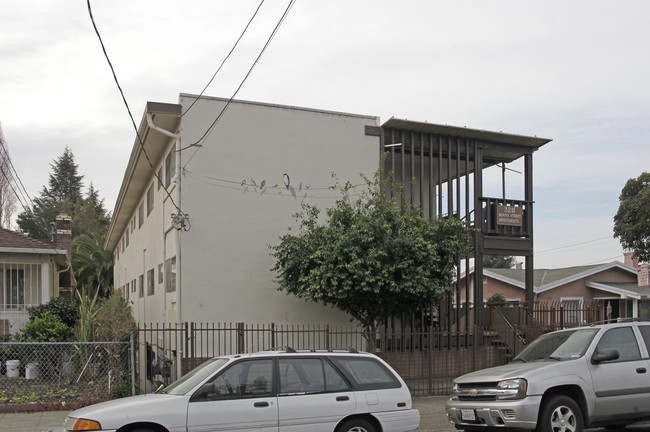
pixel 569 344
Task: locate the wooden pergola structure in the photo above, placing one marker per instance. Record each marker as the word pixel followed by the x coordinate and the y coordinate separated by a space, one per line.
pixel 441 168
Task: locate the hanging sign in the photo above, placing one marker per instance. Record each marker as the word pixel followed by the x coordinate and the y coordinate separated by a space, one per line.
pixel 509 215
pixel 642 275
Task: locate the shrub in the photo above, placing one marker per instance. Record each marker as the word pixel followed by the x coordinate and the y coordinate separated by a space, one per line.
pixel 67 313
pixel 497 299
pixel 46 327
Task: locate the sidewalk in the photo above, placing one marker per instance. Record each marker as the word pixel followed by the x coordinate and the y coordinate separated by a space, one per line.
pixel 432 418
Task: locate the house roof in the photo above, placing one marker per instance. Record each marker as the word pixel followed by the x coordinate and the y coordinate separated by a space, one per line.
pixel 14 242
pixel 515 145
pixel 546 279
pixel 137 176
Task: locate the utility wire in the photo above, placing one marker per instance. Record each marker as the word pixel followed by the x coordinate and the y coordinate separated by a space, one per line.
pixel 225 59
pixel 126 104
pixel 571 245
pixel 223 110
pixel 15 175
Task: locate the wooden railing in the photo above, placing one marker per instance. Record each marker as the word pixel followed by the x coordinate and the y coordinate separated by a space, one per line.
pixel 487 219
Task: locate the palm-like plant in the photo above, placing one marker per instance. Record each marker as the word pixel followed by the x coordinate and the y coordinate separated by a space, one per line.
pixel 92 264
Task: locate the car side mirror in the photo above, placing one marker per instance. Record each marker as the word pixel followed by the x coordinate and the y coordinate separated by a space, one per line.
pixel 603 355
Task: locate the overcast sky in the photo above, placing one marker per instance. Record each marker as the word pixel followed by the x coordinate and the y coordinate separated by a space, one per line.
pixel 573 71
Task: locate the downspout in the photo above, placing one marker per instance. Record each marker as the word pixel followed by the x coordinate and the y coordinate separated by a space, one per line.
pixel 179 315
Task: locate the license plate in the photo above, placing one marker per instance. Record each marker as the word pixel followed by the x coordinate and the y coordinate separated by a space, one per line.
pixel 468 415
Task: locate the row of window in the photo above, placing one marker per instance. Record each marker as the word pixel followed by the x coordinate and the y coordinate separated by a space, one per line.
pixel 166 274
pixel 148 202
pixel 296 376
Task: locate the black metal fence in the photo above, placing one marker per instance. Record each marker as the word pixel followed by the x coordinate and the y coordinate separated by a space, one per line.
pixel 68 374
pixel 428 359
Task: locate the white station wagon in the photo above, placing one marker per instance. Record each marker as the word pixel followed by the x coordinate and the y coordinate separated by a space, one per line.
pixel 271 391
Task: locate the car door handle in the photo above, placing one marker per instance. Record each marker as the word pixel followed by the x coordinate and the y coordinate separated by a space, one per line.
pixel 261 404
pixel 640 370
pixel 342 398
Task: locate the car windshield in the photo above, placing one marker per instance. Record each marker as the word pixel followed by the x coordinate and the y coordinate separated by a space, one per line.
pixel 190 380
pixel 562 345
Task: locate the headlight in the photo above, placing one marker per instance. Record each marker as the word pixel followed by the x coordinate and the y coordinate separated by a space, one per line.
pixel 454 391
pixel 512 389
pixel 73 424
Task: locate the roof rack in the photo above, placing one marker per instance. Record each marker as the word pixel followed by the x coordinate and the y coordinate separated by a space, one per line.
pixel 348 349
pixel 614 321
pixel 283 348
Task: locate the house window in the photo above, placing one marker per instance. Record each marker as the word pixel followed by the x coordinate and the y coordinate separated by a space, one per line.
pixel 141 286
pixel 13 292
pixel 133 286
pixel 159 179
pixel 125 291
pixel 149 200
pixel 123 244
pixel 150 282
pixel 170 167
pixel 170 275
pixel 133 224
pixel 127 237
pixel 160 273
pixel 141 215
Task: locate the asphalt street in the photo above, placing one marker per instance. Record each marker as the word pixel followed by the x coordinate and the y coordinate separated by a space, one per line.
pixel 432 419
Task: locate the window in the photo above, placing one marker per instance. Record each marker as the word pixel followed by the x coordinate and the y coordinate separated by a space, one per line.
pixel 141 215
pixel 127 237
pixel 170 167
pixel 170 275
pixel 123 244
pixel 150 282
pixel 369 373
pixel 125 291
pixel 623 340
pixel 159 179
pixel 149 200
pixel 243 379
pixel 141 286
pixel 13 292
pixel 309 375
pixel 160 273
pixel 133 286
pixel 133 224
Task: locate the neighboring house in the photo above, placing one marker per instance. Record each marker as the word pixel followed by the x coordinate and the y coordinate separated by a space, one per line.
pixel 609 291
pixel 212 183
pixel 32 273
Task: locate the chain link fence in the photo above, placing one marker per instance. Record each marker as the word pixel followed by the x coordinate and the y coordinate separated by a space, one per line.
pixel 67 373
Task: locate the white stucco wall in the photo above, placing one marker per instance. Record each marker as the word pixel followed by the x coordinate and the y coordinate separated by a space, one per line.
pixel 226 260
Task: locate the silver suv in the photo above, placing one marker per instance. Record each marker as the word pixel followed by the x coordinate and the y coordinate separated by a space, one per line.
pixel 563 381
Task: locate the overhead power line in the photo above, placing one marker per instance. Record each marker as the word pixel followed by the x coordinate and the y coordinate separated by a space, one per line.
pixel 223 110
pixel 226 58
pixel 128 109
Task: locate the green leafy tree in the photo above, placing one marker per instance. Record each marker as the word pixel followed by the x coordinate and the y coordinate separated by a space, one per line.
pixel 632 221
pixel 92 264
pixel 64 195
pixel 498 261
pixel 373 258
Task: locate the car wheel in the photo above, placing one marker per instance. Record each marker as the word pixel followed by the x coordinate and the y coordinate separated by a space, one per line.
pixel 356 425
pixel 560 414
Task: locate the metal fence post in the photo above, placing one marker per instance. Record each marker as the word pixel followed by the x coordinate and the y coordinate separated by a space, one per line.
pixel 132 349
